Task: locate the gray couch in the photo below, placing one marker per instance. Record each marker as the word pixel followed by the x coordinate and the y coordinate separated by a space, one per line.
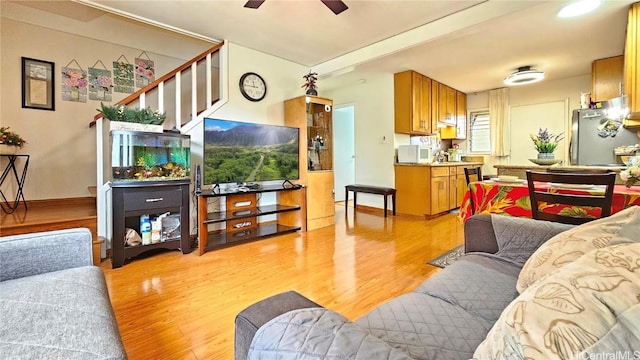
pixel 446 317
pixel 54 303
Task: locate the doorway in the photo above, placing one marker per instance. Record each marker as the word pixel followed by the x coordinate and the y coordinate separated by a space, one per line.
pixel 343 149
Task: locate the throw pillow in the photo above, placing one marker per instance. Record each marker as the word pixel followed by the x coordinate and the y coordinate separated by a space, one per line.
pixel 571 310
pixel 568 246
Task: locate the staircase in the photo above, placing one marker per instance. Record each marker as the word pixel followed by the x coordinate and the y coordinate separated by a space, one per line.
pixel 186 94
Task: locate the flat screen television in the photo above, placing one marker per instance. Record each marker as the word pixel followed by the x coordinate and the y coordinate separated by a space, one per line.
pixel 239 152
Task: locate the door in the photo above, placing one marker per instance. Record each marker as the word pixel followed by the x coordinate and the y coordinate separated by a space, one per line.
pixel 343 149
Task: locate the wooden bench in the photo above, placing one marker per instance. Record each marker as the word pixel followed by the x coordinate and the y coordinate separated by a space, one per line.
pixel 368 189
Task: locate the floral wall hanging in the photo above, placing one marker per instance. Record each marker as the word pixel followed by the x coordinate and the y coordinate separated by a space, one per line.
pixel 123 76
pixel 145 70
pixel 74 83
pixel 100 83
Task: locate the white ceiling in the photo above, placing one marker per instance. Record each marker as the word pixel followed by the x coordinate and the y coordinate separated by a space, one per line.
pixel 470 45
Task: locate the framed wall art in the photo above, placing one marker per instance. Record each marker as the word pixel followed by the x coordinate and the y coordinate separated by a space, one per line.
pixel 37 84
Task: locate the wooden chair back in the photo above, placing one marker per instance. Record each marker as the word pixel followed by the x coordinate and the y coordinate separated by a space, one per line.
pixel 597 200
pixel 468 172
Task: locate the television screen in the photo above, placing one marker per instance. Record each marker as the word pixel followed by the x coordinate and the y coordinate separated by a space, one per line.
pixel 238 152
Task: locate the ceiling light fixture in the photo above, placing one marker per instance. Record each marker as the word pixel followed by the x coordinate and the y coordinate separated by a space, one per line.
pixel 524 75
pixel 578 8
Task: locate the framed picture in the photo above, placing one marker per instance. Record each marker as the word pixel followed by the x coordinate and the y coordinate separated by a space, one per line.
pixel 37 84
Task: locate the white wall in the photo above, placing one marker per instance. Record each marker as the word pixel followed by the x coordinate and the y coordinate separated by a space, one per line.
pixel 539 93
pixel 373 105
pixel 61 144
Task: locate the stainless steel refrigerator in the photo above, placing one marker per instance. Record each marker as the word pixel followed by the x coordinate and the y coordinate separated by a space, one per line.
pixel 594 137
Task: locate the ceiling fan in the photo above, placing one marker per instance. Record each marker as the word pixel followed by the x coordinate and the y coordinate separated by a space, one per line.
pixel 337 6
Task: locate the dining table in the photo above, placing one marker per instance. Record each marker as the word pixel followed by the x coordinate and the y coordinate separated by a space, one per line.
pixel 512 198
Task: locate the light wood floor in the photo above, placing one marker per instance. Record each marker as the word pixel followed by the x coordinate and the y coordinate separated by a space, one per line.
pixel 174 306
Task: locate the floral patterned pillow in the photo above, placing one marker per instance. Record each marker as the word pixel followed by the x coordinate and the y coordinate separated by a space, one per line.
pixel 570 245
pixel 570 310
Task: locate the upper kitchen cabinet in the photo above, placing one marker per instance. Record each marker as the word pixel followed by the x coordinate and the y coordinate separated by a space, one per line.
pixel 446 104
pixel 458 128
pixel 606 78
pixel 632 67
pixel 412 103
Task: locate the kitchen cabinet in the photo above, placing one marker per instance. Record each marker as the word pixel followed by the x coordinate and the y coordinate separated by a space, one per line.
pixel 632 67
pixel 429 190
pixel 412 103
pixel 457 186
pixel 446 104
pixel 459 130
pixel 606 78
pixel 313 116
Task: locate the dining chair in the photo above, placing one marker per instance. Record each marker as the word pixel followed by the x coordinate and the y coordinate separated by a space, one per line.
pixel 599 200
pixel 477 171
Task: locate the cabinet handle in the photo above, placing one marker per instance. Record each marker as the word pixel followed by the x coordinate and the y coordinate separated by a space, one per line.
pixel 154 199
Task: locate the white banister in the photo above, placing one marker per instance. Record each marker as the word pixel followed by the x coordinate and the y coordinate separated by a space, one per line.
pixel 161 97
pixel 207 82
pixel 194 90
pixel 142 100
pixel 178 99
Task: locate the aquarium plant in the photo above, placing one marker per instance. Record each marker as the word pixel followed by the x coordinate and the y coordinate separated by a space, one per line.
pixel 133 115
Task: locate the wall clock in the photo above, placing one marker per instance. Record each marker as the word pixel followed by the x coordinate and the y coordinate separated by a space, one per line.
pixel 253 87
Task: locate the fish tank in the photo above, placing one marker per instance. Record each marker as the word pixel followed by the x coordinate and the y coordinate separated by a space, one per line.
pixel 149 156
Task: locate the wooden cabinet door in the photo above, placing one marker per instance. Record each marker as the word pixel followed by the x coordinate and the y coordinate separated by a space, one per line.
pixel 425 106
pixel 632 66
pixel 439 194
pixel 606 78
pixel 320 200
pixel 461 189
pixel 461 115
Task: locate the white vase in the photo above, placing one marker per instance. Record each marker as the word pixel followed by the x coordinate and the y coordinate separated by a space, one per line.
pixel 546 156
pixel 8 149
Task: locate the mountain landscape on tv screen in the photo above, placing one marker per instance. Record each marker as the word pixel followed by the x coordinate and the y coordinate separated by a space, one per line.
pixel 241 152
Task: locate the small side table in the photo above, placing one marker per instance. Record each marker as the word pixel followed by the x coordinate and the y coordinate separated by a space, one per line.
pixel 10 207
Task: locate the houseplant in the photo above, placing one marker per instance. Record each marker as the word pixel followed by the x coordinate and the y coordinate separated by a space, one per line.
pixel 131 115
pixel 310 83
pixel 545 143
pixel 10 141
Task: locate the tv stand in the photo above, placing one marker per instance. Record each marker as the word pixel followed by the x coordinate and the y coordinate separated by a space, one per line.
pixel 242 212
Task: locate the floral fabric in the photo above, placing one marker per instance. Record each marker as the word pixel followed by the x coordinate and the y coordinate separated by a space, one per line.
pixel 513 200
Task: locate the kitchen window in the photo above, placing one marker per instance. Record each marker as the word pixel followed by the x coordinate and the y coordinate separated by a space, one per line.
pixel 479 132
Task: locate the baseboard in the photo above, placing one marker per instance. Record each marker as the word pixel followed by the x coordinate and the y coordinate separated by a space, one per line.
pixel 76 201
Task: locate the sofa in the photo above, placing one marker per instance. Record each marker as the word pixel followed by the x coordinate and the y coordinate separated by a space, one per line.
pixel 54 303
pixel 523 289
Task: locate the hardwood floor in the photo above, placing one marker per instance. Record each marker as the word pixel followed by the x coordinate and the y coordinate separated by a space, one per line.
pixel 174 306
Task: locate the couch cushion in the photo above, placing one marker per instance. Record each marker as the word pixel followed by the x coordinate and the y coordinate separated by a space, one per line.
pixel 568 246
pixel 573 309
pixel 449 314
pixel 59 315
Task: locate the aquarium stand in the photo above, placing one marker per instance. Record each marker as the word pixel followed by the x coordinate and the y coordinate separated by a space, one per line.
pixel 133 199
pixel 242 213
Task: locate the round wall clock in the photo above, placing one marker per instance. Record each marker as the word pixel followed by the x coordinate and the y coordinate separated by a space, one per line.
pixel 253 87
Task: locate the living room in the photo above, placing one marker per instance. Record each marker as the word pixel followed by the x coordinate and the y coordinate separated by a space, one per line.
pixel 63 147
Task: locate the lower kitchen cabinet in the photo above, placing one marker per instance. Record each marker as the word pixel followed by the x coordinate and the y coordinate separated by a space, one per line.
pixel 429 190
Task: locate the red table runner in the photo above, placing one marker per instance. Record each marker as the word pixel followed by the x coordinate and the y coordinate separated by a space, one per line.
pixel 512 199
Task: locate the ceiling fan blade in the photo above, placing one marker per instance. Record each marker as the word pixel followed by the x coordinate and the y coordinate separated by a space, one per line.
pixel 336 6
pixel 253 4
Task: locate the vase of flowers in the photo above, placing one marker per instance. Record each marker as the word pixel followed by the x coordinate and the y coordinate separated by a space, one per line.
pixel 631 175
pixel 545 143
pixel 10 141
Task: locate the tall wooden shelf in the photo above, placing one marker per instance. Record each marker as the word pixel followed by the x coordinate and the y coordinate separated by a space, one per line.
pixel 241 216
pixel 314 117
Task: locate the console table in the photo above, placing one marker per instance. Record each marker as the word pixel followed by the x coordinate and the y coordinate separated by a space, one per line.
pixel 10 207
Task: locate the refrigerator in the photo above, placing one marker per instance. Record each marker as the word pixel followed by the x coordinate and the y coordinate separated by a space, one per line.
pixel 594 138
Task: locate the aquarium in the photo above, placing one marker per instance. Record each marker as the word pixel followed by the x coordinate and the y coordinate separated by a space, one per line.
pixel 147 156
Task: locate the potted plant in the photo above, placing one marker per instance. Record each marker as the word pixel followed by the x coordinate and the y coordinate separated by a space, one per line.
pixel 132 119
pixel 310 83
pixel 546 143
pixel 10 141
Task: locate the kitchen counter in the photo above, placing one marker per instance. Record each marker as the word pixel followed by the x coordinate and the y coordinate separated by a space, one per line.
pixel 520 170
pixel 445 163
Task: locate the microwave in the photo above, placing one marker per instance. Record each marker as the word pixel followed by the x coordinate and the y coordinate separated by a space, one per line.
pixel 415 154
